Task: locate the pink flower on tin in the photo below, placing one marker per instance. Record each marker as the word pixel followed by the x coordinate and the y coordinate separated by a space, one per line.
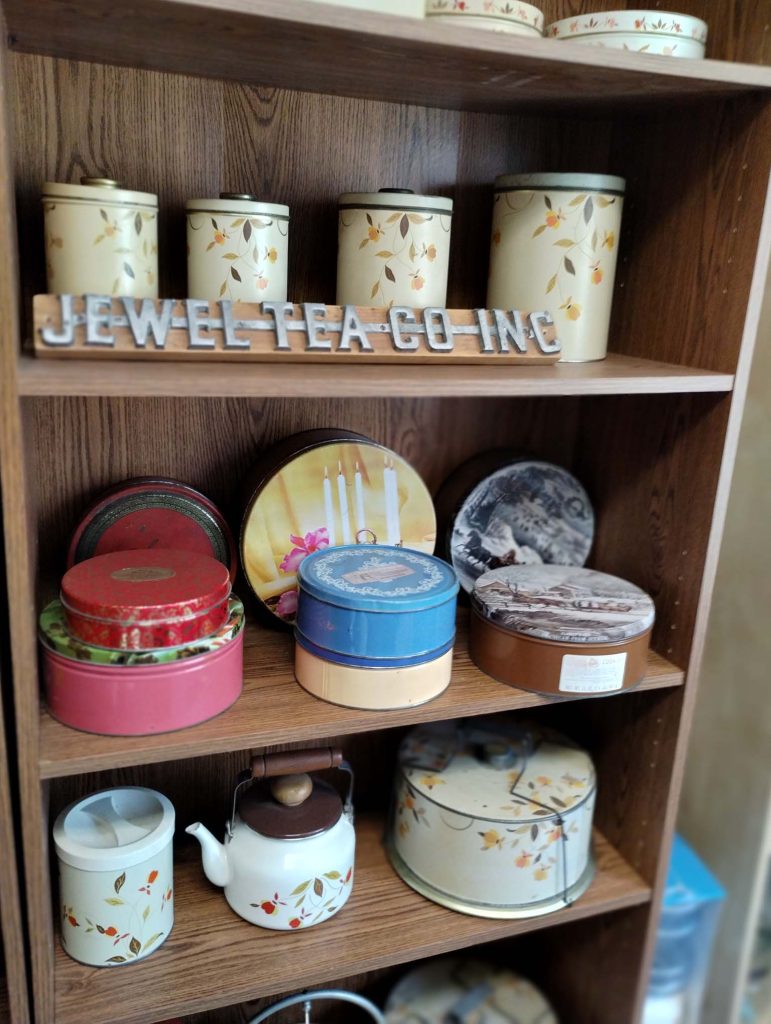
pixel 287 604
pixel 313 541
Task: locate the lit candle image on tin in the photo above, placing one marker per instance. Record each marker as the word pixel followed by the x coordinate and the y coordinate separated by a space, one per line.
pixel 378 498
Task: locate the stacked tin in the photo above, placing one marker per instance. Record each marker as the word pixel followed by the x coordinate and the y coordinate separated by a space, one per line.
pixel 375 626
pixel 145 637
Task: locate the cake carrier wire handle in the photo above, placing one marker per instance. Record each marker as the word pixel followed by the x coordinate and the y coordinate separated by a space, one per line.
pixel 290 762
pixel 306 998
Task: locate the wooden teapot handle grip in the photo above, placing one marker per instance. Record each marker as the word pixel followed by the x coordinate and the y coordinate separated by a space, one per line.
pixel 293 762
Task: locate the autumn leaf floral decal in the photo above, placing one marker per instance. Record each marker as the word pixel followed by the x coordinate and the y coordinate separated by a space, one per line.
pixel 310 901
pixel 124 231
pixel 247 259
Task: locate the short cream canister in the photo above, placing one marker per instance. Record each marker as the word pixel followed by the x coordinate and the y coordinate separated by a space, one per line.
pixel 116 888
pixel 100 239
pixel 237 248
pixel 393 249
pixel 554 246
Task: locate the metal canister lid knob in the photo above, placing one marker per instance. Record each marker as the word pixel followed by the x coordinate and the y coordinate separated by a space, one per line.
pixel 100 182
pixel 240 196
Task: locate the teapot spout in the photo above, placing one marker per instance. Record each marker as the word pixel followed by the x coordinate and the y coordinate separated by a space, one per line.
pixel 216 866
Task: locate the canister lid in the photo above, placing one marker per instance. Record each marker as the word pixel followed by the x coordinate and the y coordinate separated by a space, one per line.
pixel 460 990
pixel 135 587
pixel 98 190
pixel 238 203
pixel 608 184
pixel 153 512
pixel 485 770
pixel 114 829
pixel 395 199
pixel 563 603
pixel 263 812
pixel 378 578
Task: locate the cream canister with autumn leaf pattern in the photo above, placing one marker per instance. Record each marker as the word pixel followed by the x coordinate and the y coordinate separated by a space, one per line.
pixel 116 888
pixel 100 239
pixel 554 246
pixel 237 248
pixel 393 249
pixel 493 818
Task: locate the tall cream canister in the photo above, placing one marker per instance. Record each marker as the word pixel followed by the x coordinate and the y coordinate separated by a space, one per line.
pixel 393 249
pixel 554 246
pixel 100 238
pixel 237 248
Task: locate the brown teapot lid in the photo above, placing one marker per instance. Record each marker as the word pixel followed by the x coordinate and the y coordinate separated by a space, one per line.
pixel 290 807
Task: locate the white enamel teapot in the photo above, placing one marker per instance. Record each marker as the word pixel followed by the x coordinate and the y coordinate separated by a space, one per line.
pixel 287 859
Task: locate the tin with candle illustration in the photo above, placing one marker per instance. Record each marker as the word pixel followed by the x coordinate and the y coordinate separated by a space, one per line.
pixel 100 238
pixel 320 489
pixel 375 626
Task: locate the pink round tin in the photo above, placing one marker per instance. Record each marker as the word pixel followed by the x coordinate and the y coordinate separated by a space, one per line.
pixel 140 600
pixel 138 700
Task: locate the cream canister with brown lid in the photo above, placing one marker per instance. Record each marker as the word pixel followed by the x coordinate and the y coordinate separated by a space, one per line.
pixel 100 238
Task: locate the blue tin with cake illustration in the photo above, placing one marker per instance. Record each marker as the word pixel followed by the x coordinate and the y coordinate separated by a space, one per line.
pixel 375 605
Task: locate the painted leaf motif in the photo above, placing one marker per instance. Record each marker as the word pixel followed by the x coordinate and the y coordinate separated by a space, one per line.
pixel 369 220
pixel 300 888
pixel 569 265
pixel 565 243
pixel 114 901
pixel 392 218
pixel 116 960
pixel 412 252
pixel 594 241
pixel 98 239
pixel 588 210
pixel 115 285
pixel 100 929
pixel 551 284
pixel 363 243
pixel 120 881
pixel 151 940
pixel 210 246
pixel 539 230
pixel 384 254
pixel 135 945
pixel 104 216
pixel 223 288
pixel 138 224
pixel 214 223
pixel 318 886
pixel 560 803
pixel 578 200
pixel 145 913
pixel 404 226
pixel 547 201
pixel 603 202
pixel 415 218
pixel 389 274
pixel 127 268
pixel 230 256
pixel 247 230
pixel 332 874
pixel 237 222
pixel 234 273
pixel 375 287
pixel 534 833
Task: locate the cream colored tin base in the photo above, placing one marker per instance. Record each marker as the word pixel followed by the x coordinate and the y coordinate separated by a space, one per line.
pixel 537 909
pixel 372 689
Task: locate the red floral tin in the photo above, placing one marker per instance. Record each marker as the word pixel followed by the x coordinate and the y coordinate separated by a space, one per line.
pixel 153 512
pixel 141 600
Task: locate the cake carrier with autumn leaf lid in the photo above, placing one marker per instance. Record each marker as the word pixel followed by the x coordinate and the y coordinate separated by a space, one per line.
pixel 493 819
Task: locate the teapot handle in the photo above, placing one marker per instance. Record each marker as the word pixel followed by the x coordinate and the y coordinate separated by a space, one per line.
pixel 293 762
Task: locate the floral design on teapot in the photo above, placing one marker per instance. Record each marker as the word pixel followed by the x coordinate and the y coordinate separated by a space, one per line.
pixel 311 900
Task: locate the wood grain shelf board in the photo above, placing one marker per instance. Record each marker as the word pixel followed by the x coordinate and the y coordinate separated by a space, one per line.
pixel 274 709
pixel 322 48
pixel 615 375
pixel 214 958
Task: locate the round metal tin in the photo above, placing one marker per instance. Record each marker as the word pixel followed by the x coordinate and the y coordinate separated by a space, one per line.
pixel 379 689
pixel 375 602
pixel 140 600
pixel 536 909
pixel 319 489
pixel 54 636
pixel 498 510
pixel 153 512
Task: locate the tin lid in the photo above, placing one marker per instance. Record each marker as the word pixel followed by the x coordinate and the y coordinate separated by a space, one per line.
pixel 563 603
pixel 55 637
pixel 265 809
pixel 138 587
pixel 462 991
pixel 377 578
pixel 98 190
pixel 525 512
pixel 239 203
pixel 153 512
pixel 402 199
pixel 608 184
pixel 491 771
pixel 114 829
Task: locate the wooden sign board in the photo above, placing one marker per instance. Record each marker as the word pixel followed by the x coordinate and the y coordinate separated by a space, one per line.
pixel 100 327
